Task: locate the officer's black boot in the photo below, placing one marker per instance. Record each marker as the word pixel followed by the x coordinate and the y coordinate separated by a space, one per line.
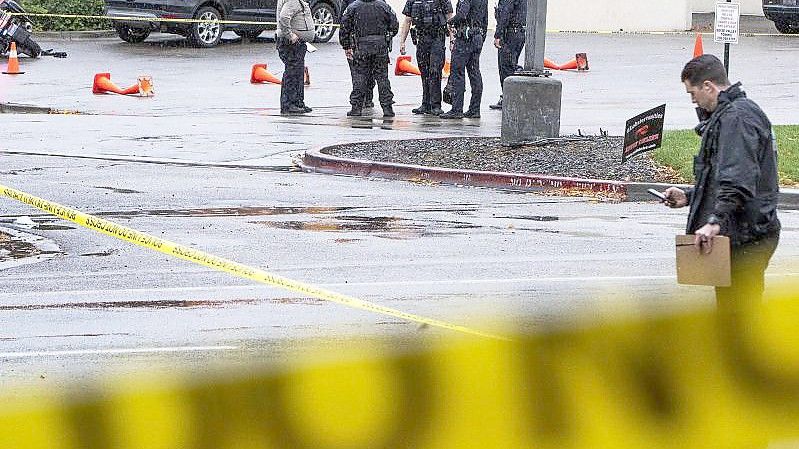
pixel 421 110
pixel 355 112
pixel 498 105
pixel 388 111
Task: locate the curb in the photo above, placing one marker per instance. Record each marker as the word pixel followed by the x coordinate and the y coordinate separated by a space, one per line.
pixel 15 108
pixel 74 35
pixel 317 161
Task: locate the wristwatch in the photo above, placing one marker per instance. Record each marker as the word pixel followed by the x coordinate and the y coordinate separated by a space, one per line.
pixel 714 220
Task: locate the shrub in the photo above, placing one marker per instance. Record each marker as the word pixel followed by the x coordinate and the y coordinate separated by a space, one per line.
pixel 86 7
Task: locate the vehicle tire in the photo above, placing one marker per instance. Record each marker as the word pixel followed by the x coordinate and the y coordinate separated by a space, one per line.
pixel 249 34
pixel 30 48
pixel 131 35
pixel 324 16
pixel 208 33
pixel 786 27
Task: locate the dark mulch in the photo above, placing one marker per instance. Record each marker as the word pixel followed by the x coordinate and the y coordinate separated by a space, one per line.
pixel 590 158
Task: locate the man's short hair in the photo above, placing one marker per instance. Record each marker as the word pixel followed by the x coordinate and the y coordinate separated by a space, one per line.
pixel 705 68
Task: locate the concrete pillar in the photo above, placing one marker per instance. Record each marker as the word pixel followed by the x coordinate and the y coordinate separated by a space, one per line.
pixel 531 101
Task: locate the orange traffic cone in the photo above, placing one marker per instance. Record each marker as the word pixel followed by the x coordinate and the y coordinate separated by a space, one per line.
pixel 103 85
pixel 404 66
pixel 307 80
pixel 261 75
pixel 571 65
pixel 699 49
pixel 13 61
pixel 550 64
pixel 447 69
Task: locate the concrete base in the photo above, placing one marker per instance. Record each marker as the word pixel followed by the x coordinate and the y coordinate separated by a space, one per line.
pixel 530 109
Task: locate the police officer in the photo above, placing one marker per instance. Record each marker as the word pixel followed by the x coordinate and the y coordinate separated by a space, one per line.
pixel 469 25
pixel 429 19
pixel 295 27
pixel 368 101
pixel 367 28
pixel 511 18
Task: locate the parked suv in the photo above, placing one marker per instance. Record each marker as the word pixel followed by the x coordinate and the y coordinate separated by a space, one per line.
pixel 207 33
pixel 784 14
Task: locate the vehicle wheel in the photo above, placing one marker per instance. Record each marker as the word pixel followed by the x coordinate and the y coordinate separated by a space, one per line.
pixel 131 35
pixel 324 18
pixel 30 48
pixel 208 32
pixel 249 34
pixel 786 27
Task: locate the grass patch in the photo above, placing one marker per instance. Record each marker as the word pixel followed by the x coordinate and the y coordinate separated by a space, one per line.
pixel 679 148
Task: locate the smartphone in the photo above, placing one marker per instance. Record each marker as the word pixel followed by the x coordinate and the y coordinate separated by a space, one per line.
pixel 659 195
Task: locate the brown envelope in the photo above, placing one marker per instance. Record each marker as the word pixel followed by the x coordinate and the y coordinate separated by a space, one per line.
pixel 697 268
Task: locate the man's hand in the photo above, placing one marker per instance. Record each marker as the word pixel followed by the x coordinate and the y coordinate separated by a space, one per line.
pixel 498 43
pixel 451 44
pixel 675 198
pixel 349 53
pixel 704 237
pixel 402 48
pixel 293 38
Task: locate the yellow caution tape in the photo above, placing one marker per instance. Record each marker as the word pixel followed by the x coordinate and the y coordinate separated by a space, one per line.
pixel 218 263
pixel 695 381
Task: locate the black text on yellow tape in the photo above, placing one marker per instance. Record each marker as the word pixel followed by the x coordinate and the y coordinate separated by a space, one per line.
pixel 218 263
pixel 694 381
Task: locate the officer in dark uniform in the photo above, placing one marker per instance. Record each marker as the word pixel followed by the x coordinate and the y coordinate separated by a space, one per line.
pixel 511 18
pixel 469 25
pixel 368 101
pixel 367 28
pixel 429 20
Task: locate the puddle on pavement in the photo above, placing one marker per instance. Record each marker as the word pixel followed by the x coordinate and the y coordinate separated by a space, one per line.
pixel 530 217
pixel 226 212
pixel 161 304
pixel 385 227
pixel 117 190
pixel 106 253
pixel 16 249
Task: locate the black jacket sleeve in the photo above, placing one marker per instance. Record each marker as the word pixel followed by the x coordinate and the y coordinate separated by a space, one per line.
pixel 461 12
pixel 393 23
pixel 504 9
pixel 346 32
pixel 738 163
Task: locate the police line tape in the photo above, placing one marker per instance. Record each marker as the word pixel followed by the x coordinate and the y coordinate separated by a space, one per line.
pixel 688 381
pixel 220 264
pixel 336 25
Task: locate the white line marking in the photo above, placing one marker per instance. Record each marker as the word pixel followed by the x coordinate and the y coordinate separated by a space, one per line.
pixel 18 355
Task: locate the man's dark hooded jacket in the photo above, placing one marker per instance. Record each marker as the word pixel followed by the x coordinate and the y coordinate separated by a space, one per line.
pixel 736 171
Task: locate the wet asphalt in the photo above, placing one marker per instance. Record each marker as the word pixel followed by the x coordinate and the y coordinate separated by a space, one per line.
pixel 207 162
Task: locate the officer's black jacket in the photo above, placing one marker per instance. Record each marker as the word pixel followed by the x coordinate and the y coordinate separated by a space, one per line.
pixel 366 25
pixel 510 14
pixel 736 171
pixel 473 13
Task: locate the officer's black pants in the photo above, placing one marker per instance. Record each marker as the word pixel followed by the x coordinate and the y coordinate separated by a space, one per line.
pixel 748 264
pixel 508 54
pixel 430 53
pixel 368 68
pixel 292 92
pixel 369 89
pixel 466 57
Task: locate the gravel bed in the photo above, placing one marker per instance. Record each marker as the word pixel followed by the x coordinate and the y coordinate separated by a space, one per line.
pixel 589 157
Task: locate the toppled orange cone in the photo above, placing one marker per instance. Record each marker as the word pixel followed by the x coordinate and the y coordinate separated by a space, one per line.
pixel 103 85
pixel 13 61
pixel 550 64
pixel 259 74
pixel 447 69
pixel 571 65
pixel 404 66
pixel 699 48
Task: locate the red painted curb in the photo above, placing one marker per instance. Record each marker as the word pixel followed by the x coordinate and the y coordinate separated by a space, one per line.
pixel 318 161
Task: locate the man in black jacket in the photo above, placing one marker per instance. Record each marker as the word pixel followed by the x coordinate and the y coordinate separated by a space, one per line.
pixel 736 188
pixel 368 101
pixel 469 25
pixel 509 38
pixel 367 28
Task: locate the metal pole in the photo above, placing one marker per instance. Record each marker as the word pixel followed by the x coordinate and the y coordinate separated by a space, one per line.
pixel 726 54
pixel 536 36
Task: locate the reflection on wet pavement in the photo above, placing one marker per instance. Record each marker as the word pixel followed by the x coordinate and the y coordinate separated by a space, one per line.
pixel 386 227
pixel 161 304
